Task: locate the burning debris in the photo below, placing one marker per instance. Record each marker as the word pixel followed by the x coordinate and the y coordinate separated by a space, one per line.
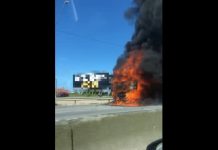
pixel 137 76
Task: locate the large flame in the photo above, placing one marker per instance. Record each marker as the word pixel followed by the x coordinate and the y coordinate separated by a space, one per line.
pixel 126 77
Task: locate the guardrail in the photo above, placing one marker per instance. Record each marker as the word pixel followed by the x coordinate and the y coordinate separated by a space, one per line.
pixel 82 100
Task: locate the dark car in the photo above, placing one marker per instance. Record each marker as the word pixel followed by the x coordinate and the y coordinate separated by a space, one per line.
pixel 156 145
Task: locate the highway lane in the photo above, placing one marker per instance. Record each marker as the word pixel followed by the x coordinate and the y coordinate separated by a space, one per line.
pixel 83 111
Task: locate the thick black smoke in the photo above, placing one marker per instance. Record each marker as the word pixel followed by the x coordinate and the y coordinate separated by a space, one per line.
pixel 148 24
pixel 147 15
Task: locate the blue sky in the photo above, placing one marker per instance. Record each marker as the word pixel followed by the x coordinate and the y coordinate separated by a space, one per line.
pixel 94 41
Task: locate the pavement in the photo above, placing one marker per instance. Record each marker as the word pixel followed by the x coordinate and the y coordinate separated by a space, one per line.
pixel 84 111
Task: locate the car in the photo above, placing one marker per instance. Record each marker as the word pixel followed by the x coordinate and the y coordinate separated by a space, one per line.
pixel 156 145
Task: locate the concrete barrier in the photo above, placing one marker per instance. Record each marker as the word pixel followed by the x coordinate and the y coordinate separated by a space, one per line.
pixel 123 131
pixel 63 136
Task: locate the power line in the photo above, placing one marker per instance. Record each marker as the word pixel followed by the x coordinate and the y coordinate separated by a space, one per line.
pixel 84 36
pixel 89 38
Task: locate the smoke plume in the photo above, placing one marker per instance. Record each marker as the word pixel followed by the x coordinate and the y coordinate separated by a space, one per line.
pixel 147 37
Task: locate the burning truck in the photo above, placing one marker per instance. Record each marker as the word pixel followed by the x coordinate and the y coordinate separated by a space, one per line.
pixel 137 75
pixel 134 86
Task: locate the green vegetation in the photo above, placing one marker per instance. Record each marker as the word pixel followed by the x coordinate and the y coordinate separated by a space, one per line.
pixel 90 93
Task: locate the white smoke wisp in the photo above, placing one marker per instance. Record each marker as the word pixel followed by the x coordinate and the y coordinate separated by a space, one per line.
pixel 74 10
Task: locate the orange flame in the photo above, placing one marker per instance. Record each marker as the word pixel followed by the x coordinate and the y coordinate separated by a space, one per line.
pixel 127 74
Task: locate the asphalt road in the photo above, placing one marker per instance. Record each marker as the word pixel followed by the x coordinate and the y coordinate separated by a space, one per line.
pixel 83 111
